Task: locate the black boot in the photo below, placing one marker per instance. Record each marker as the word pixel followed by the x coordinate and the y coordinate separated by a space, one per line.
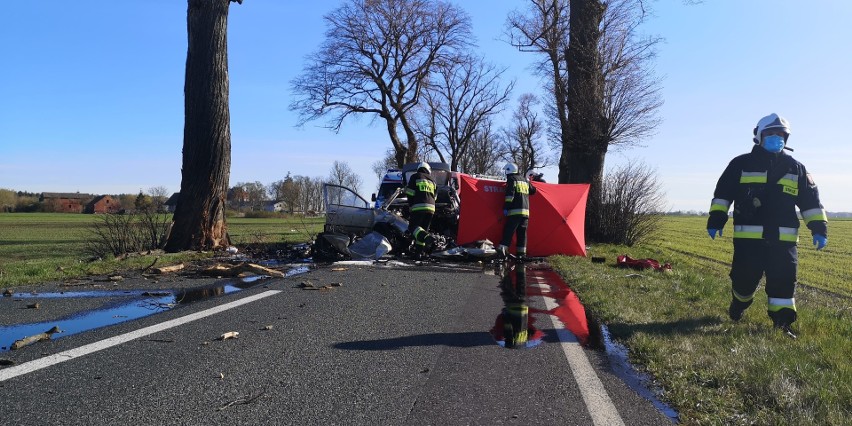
pixel 783 320
pixel 737 308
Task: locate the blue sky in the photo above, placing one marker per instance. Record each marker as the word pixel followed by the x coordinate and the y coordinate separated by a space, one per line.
pixel 91 92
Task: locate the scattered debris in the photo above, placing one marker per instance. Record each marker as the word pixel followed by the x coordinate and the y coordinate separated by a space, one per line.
pixel 232 271
pixel 339 269
pixel 33 306
pixel 168 269
pixel 246 399
pixel 18 344
pixel 6 362
pixel 267 327
pixel 306 284
pixel 7 293
pixel 336 284
pixel 221 376
pixel 229 335
pixel 151 265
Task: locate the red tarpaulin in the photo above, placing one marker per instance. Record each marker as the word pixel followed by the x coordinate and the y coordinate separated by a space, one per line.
pixel 557 216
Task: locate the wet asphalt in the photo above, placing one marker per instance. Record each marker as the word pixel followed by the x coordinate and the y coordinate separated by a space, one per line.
pixel 341 344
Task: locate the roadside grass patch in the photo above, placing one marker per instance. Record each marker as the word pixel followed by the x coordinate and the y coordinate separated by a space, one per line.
pixel 710 369
pixel 42 247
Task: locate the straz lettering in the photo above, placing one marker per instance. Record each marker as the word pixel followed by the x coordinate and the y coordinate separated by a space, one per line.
pixel 426 186
pixel 492 188
pixel 791 190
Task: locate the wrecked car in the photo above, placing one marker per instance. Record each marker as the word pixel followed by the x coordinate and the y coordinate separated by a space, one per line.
pixel 355 228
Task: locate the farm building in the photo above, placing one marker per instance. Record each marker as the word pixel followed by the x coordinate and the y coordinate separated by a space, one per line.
pixel 103 204
pixel 61 202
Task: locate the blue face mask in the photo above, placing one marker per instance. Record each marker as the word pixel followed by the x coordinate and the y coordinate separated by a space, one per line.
pixel 773 143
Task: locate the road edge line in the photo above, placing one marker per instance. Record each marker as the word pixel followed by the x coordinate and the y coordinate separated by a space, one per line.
pixel 38 364
pixel 597 400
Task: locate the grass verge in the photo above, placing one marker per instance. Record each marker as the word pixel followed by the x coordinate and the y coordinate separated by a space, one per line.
pixel 42 247
pixel 712 370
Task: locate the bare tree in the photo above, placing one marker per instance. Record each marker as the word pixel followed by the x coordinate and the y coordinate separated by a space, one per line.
pixel 613 97
pixel 159 196
pixel 341 174
pixel 543 29
pixel 483 153
pixel 462 97
pixel 523 145
pixel 605 93
pixel 376 59
pixel 379 167
pixel 632 203
pixel 199 219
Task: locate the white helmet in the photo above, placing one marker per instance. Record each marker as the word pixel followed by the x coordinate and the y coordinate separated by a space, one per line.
pixel 424 165
pixel 771 121
pixel 510 168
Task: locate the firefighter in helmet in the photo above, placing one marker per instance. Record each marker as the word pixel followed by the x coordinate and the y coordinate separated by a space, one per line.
pixel 516 208
pixel 421 205
pixel 765 186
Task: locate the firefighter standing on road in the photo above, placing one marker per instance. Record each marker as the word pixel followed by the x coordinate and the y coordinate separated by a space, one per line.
pixel 421 205
pixel 765 186
pixel 516 208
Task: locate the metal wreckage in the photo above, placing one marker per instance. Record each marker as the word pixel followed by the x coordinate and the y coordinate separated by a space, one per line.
pixel 360 230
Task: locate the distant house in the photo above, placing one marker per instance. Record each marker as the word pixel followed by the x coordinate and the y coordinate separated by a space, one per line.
pixel 62 202
pixel 103 204
pixel 171 203
pixel 273 206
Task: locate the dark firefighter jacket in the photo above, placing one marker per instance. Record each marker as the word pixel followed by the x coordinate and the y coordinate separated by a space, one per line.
pixel 765 189
pixel 518 191
pixel 421 192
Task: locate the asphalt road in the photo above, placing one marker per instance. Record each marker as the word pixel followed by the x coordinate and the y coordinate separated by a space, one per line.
pixel 380 345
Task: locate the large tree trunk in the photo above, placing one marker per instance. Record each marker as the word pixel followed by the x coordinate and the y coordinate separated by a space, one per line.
pixel 199 219
pixel 588 140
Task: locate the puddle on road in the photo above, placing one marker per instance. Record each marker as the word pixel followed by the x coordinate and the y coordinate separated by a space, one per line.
pixel 514 327
pixel 137 304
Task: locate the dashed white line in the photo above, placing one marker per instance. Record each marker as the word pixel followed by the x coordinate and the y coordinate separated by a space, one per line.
pixel 38 364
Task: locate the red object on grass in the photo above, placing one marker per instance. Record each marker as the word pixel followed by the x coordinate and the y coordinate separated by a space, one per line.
pixel 557 216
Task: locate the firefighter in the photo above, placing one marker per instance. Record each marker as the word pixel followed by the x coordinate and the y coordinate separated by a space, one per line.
pixel 421 205
pixel 765 186
pixel 516 208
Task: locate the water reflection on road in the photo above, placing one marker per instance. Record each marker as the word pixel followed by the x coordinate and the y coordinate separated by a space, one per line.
pixel 123 306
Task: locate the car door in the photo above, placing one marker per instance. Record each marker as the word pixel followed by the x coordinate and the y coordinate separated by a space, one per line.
pixel 346 211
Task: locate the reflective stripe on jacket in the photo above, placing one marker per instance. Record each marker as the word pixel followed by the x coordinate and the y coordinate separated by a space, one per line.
pixel 518 190
pixel 765 190
pixel 421 192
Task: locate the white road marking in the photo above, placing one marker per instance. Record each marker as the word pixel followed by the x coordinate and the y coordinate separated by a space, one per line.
pixel 38 364
pixel 594 394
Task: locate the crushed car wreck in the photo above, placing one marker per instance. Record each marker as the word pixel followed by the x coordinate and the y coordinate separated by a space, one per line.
pixel 358 229
pixel 355 229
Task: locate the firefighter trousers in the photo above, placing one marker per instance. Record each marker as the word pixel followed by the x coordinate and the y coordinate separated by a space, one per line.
pixel 516 224
pixel 778 261
pixel 418 227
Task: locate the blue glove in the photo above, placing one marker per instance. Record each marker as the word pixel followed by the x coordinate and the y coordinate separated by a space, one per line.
pixel 505 212
pixel 712 232
pixel 820 241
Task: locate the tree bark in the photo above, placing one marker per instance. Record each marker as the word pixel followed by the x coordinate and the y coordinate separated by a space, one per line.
pixel 583 156
pixel 199 219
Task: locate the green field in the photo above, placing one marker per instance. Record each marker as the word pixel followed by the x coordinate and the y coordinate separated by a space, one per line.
pixel 38 247
pixel 827 269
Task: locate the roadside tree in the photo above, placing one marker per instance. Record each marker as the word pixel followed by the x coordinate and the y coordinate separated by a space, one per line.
pixel 377 58
pixel 199 218
pixel 463 95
